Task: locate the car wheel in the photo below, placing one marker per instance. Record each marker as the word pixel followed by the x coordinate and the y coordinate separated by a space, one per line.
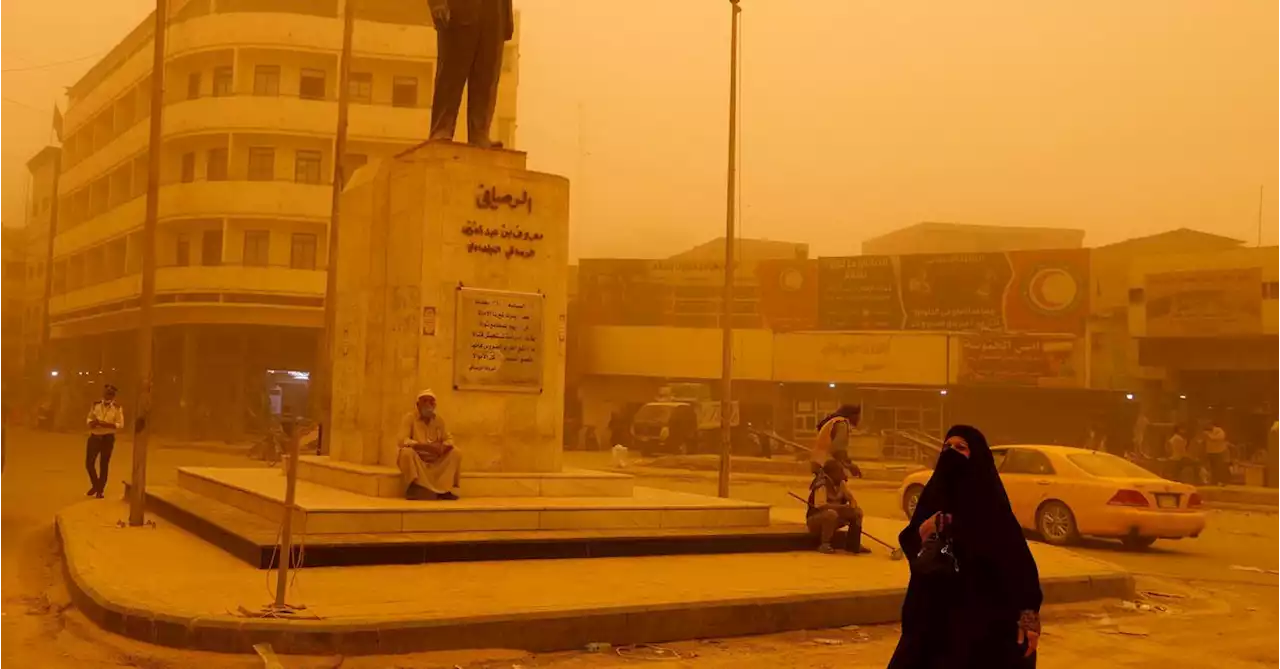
pixel 1056 524
pixel 910 499
pixel 1137 543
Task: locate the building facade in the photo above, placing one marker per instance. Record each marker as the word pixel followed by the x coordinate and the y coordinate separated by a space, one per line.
pixel 250 109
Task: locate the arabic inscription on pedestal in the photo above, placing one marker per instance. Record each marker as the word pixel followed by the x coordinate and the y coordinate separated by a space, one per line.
pixel 498 344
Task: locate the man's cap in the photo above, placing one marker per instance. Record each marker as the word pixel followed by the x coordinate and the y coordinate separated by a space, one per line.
pixel 426 393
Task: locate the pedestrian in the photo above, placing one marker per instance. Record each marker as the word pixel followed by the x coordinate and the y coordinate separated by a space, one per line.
pixel 833 439
pixel 973 601
pixel 106 417
pixel 832 506
pixel 1177 449
pixel 1215 450
pixel 1097 439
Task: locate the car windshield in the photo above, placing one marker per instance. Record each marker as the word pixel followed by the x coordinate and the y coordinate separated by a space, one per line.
pixel 653 413
pixel 1109 466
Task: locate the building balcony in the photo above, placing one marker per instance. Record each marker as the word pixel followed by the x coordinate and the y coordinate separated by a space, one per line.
pixel 256 115
pixel 285 200
pixel 262 30
pixel 232 284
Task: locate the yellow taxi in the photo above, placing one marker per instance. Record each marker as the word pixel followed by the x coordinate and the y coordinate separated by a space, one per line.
pixel 1063 493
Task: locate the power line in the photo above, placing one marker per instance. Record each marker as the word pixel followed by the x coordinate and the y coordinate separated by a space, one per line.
pixel 24 105
pixel 45 66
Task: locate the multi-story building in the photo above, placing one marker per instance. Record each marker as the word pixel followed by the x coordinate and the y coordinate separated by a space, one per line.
pixel 41 205
pixel 15 273
pixel 250 108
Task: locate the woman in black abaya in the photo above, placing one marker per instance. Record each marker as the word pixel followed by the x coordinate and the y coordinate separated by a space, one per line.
pixel 982 611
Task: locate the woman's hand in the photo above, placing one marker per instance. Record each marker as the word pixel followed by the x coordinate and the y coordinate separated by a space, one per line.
pixel 1029 631
pixel 929 526
pixel 932 524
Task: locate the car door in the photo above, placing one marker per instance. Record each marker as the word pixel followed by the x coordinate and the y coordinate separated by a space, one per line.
pixel 1028 478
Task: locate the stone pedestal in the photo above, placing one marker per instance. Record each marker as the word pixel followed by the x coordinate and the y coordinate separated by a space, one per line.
pixel 452 275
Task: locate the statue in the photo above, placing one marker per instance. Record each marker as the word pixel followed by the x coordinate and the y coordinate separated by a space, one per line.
pixel 470 35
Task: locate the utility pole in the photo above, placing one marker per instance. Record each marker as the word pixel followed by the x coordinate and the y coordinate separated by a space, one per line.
pixel 324 370
pixel 726 315
pixel 146 334
pixel 1261 190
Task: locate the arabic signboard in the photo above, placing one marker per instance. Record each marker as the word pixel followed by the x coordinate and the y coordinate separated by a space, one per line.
pixel 498 342
pixel 954 292
pixel 663 293
pixel 901 358
pixel 1199 303
pixel 859 293
pixel 1022 291
pixel 1019 361
pixel 1031 292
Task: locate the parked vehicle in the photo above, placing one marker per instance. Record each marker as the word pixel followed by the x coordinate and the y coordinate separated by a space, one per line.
pixel 684 420
pixel 1064 492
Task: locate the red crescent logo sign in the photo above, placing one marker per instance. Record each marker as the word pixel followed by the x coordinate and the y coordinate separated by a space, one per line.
pixel 1052 290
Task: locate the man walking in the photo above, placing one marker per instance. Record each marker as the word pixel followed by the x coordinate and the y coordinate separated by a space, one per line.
pixel 832 442
pixel 105 418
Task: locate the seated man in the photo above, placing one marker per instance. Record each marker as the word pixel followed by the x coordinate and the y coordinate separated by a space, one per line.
pixel 429 464
pixel 832 506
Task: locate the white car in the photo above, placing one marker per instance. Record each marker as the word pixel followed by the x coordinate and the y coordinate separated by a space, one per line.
pixel 1063 493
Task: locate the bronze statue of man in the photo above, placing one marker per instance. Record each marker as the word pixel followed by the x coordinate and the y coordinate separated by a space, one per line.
pixel 469 37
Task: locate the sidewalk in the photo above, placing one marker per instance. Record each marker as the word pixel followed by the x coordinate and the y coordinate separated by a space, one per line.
pixel 1239 494
pixel 164 586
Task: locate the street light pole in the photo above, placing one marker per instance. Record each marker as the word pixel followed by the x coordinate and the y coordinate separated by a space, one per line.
pixel 726 314
pixel 324 370
pixel 146 332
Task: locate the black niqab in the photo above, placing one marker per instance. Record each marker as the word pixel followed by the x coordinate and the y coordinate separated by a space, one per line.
pixel 969 618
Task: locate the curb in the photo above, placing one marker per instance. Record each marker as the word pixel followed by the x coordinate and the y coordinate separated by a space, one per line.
pixel 742 477
pixel 534 631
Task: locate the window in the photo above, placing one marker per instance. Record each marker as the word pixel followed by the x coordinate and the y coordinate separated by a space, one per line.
pixel 222 81
pixel 302 251
pixel 1024 461
pixel 211 248
pixel 262 163
pixel 188 167
pixel 216 169
pixel 311 84
pixel 1270 290
pixel 360 87
pixel 183 253
pixel 306 167
pixel 404 92
pixel 257 247
pixel 350 163
pixel 266 80
pixel 193 85
pixel 1106 465
pixel 1137 296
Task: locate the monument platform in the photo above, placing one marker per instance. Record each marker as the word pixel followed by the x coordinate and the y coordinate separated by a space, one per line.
pixel 240 511
pixel 384 481
pixel 167 587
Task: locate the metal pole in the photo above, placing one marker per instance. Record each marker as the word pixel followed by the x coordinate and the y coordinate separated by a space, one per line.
pixel 323 373
pixel 146 334
pixel 726 315
pixel 286 529
pixel 42 353
pixel 1261 189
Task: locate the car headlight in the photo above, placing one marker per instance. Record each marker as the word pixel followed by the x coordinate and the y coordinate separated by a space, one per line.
pixel 666 432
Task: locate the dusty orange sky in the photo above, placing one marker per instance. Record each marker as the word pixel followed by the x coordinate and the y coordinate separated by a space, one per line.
pixel 1120 118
